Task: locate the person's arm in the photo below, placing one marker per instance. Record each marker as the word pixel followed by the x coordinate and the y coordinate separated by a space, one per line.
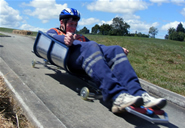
pixel 81 37
pixel 66 39
pixel 55 35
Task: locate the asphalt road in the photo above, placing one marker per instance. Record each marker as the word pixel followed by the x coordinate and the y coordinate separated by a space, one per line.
pixel 58 103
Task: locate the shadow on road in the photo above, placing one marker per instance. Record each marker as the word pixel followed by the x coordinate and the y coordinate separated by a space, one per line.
pixel 141 123
pixel 5 36
pixel 75 84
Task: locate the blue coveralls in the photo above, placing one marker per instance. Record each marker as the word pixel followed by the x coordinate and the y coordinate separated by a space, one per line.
pixel 108 66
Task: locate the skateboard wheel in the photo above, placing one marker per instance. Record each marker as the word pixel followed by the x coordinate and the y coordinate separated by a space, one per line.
pixel 46 62
pixel 84 93
pixel 33 63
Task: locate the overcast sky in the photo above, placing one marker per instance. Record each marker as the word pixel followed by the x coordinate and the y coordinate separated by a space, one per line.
pixel 42 15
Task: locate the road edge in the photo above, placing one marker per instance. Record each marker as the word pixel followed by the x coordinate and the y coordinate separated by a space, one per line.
pixel 36 111
pixel 164 93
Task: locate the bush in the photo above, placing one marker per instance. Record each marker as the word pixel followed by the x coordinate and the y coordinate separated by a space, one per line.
pixel 179 36
pixel 166 37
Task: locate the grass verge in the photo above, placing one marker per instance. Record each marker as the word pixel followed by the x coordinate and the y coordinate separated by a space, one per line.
pixel 11 115
pixel 10 30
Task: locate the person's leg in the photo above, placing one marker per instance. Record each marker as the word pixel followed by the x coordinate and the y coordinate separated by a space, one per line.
pixel 125 74
pixel 122 69
pixel 88 56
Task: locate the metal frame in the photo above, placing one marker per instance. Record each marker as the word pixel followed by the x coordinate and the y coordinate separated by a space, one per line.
pixel 52 50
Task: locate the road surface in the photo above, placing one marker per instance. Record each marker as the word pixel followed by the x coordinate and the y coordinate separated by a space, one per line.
pixel 58 92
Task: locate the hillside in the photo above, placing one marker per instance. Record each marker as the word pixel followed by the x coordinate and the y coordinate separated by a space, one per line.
pixel 161 62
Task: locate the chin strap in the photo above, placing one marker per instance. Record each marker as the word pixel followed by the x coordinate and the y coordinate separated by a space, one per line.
pixel 62 29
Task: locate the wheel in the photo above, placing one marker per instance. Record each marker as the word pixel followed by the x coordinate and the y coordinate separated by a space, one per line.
pixel 46 62
pixel 33 63
pixel 84 93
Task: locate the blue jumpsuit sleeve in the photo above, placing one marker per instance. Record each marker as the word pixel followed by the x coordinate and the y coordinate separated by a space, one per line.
pixel 60 38
pixel 55 35
pixel 86 39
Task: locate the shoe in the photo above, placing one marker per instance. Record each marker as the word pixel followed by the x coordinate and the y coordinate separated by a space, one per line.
pixel 124 100
pixel 151 102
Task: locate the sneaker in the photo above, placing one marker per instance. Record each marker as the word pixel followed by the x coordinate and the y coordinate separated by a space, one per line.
pixel 151 102
pixel 124 100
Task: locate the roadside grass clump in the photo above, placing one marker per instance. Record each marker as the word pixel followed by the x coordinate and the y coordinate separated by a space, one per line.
pixel 161 62
pixel 11 115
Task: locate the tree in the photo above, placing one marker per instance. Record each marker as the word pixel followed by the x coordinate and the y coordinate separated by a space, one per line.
pixel 176 34
pixel 84 31
pixel 95 29
pixel 166 37
pixel 153 31
pixel 119 27
pixel 181 36
pixel 180 28
pixel 105 29
pixel 171 30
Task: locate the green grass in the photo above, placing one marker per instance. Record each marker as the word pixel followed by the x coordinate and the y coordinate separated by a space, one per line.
pixel 9 30
pixel 161 62
pixel 6 29
pixel 2 34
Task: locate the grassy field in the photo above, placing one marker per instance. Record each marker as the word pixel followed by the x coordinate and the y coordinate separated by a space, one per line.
pixel 159 61
pixel 9 30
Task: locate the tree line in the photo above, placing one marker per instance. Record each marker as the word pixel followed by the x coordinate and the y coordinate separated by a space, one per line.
pixel 118 28
pixel 177 34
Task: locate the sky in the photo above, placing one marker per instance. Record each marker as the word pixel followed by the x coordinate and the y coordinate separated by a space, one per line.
pixel 42 15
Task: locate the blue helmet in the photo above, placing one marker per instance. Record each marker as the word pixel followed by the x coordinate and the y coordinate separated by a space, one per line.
pixel 70 13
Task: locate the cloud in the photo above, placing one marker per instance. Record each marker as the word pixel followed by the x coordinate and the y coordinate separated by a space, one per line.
pixel 44 10
pixel 178 2
pixel 88 21
pixel 31 28
pixel 171 24
pixel 9 17
pixel 105 22
pixel 159 1
pixel 128 16
pixel 117 6
pixel 140 26
pixel 183 12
